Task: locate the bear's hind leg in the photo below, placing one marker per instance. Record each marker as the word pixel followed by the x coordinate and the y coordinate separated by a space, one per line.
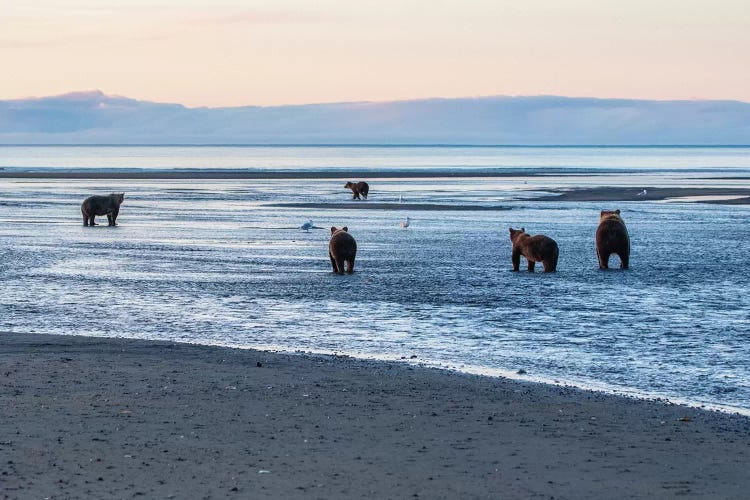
pixel 350 265
pixel 110 222
pixel 531 266
pixel 624 260
pixel 91 220
pixel 339 265
pixel 333 262
pixel 603 260
pixel 550 265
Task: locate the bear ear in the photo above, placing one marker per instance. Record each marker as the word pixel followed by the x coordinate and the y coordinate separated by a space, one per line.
pixel 345 229
pixel 511 230
pixel 333 229
pixel 602 213
pixel 617 211
pixel 523 229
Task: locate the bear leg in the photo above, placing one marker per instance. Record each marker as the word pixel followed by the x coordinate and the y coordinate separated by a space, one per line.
pixel 350 265
pixel 624 260
pixel 333 262
pixel 531 266
pixel 91 220
pixel 603 260
pixel 550 265
pixel 109 220
pixel 516 258
pixel 339 265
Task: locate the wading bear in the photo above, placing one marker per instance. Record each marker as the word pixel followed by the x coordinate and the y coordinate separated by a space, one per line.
pixel 538 248
pixel 102 205
pixel 612 237
pixel 358 188
pixel 342 248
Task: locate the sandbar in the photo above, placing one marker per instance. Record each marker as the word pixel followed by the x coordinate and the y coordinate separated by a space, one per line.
pixel 719 195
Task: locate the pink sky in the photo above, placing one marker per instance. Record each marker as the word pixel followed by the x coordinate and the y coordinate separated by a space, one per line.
pixel 236 52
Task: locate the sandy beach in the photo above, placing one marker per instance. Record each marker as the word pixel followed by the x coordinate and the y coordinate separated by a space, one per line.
pixel 108 418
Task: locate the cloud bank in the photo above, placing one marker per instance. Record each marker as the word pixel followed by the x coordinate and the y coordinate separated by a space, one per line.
pixel 96 118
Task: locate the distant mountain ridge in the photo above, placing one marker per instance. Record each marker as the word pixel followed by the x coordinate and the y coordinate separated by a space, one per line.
pixel 96 118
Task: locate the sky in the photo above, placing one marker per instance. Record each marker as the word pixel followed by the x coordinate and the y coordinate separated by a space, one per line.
pixel 246 52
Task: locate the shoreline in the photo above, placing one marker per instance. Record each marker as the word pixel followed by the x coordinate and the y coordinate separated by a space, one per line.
pixel 218 174
pixel 652 194
pixel 99 417
pixel 479 371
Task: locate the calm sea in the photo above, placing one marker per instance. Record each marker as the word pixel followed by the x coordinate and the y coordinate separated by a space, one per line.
pixel 214 261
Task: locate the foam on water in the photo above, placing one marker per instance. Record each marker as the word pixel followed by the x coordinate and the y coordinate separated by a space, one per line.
pixel 213 262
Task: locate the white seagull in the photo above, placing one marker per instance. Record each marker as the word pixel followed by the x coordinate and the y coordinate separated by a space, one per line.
pixel 405 223
pixel 307 226
pixel 643 193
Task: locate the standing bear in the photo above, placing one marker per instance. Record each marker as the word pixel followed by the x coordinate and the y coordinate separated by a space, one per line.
pixel 537 248
pixel 358 188
pixel 612 237
pixel 342 248
pixel 101 205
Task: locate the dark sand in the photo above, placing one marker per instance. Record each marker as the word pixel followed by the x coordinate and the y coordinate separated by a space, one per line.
pixel 101 418
pixel 369 205
pixel 652 194
pixel 260 174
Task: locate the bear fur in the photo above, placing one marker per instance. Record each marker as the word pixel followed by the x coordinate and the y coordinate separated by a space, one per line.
pixel 102 205
pixel 358 188
pixel 342 248
pixel 612 237
pixel 537 248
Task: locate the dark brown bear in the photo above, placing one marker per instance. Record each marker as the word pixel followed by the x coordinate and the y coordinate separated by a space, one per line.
pixel 342 248
pixel 358 188
pixel 612 237
pixel 538 248
pixel 101 205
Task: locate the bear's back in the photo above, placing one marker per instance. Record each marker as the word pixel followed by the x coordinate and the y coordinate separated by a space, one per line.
pixel 612 223
pixel 342 242
pixel 101 203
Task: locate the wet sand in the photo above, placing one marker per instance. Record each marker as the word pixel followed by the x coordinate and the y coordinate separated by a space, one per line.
pixel 652 194
pixel 263 175
pixel 369 205
pixel 101 418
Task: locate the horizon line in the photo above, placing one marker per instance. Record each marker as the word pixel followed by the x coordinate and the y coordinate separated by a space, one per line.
pixel 369 145
pixel 99 92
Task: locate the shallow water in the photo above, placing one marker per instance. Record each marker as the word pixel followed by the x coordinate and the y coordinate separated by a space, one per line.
pixel 213 262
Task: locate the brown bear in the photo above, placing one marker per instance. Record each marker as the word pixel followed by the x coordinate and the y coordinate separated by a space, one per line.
pixel 101 205
pixel 538 248
pixel 612 237
pixel 358 188
pixel 342 248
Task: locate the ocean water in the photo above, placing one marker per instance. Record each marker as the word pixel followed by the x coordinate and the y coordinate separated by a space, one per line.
pixel 216 261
